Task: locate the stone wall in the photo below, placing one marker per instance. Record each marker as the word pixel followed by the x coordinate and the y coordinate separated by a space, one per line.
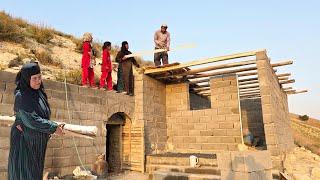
pixel 251 115
pixel 207 130
pixel 87 107
pixel 274 102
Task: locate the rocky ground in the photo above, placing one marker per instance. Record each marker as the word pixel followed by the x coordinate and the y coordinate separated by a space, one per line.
pixel 302 164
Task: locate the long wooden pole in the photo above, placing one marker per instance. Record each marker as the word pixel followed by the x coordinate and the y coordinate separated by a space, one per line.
pixel 203 61
pixel 210 68
pixel 287 81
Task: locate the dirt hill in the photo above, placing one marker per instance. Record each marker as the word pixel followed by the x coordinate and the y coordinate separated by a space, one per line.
pixel 21 42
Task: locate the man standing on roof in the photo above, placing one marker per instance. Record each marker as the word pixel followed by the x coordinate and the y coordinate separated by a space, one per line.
pixel 162 41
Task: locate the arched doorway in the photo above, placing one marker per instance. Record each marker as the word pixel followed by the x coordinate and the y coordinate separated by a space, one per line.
pixel 118 142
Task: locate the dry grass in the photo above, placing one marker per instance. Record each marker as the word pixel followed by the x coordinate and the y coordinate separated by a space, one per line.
pixel 306 133
pixel 72 77
pixel 45 58
pixel 15 62
pixel 16 30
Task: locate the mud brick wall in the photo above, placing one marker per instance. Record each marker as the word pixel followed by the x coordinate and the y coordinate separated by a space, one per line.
pixel 151 110
pixel 251 115
pixel 87 107
pixel 207 130
pixel 274 102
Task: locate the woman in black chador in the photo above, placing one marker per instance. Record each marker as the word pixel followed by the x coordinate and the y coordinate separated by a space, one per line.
pixel 32 127
pixel 125 75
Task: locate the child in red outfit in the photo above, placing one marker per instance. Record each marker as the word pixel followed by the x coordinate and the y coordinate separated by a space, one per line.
pixel 87 70
pixel 106 68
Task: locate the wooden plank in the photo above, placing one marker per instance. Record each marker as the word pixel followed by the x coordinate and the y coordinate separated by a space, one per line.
pixel 224 72
pixel 204 61
pixel 249 82
pixel 287 81
pixel 284 63
pixel 210 68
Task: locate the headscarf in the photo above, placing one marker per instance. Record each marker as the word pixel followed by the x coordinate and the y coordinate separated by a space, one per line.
pixel 87 37
pixel 27 98
pixel 123 47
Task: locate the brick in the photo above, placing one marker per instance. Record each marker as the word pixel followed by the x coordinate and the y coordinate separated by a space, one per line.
pixel 5 132
pixel 202 139
pixel 7 98
pixel 189 139
pixel 219 132
pixel 214 147
pixel 206 133
pixel 224 111
pixel 214 140
pixel 201 126
pixel 194 133
pixel 55 143
pixel 226 125
pixel 6 109
pixel 58 94
pixel 227 139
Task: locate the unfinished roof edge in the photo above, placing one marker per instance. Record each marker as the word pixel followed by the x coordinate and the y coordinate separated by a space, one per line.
pixel 203 61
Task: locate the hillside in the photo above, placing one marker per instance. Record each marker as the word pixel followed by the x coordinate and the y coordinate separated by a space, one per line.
pixel 306 133
pixel 21 42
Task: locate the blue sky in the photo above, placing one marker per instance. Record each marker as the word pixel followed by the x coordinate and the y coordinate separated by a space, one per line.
pixel 287 29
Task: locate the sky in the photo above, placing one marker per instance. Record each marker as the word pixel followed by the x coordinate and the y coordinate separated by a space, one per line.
pixel 289 30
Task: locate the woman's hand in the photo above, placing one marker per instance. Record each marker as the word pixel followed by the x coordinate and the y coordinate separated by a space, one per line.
pixel 59 130
pixel 19 128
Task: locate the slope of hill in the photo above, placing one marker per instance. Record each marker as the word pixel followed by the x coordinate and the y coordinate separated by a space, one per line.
pixel 306 133
pixel 21 42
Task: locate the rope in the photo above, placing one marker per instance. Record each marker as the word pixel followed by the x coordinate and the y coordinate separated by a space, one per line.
pixel 69 117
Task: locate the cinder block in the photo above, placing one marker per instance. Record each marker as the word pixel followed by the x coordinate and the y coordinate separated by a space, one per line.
pixel 250 161
pixel 6 109
pixel 7 98
pixel 226 125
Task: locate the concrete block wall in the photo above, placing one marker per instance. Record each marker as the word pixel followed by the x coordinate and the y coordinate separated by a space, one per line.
pixel 151 111
pixel 251 115
pixel 275 111
pixel 199 102
pixel 87 107
pixel 206 130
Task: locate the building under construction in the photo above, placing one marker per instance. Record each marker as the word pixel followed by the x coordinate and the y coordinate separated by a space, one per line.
pixel 199 108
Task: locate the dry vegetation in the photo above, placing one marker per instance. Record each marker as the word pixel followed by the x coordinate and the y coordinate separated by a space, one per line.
pixel 306 133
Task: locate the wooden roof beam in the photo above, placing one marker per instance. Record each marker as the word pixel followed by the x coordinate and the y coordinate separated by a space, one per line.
pixel 203 61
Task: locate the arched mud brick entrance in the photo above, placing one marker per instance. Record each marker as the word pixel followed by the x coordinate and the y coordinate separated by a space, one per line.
pixel 118 142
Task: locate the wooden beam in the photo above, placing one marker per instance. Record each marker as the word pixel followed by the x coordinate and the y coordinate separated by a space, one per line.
pixel 251 91
pixel 210 68
pixel 224 72
pixel 201 89
pixel 249 82
pixel 248 79
pixel 284 74
pixel 283 78
pixel 203 61
pixel 284 63
pixel 248 87
pixel 247 74
pixel 287 88
pixel 296 92
pixel 287 81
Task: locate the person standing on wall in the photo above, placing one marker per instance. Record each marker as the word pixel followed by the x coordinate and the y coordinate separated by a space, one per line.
pixel 88 61
pixel 106 68
pixel 162 41
pixel 125 64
